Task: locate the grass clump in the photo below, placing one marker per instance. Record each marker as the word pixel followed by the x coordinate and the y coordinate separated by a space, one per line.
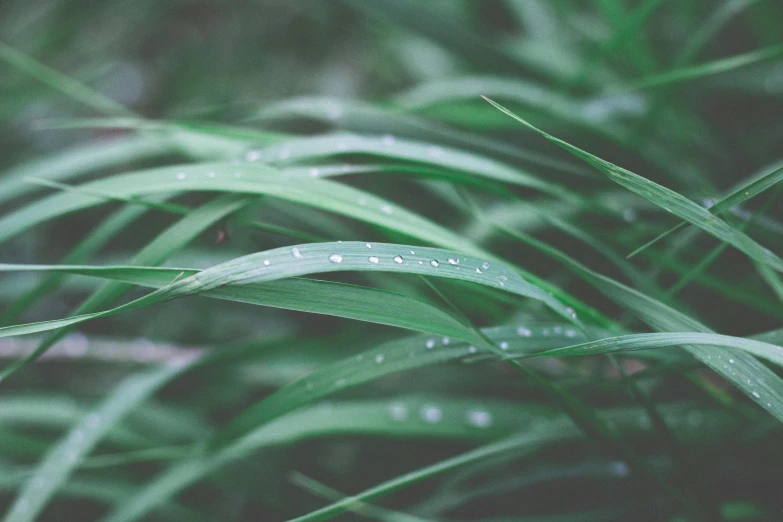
pixel 308 273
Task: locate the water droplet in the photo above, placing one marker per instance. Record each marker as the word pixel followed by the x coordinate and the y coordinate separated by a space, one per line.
pixel 434 262
pixel 570 333
pixel 421 263
pixel 431 414
pixel 210 174
pixel 336 258
pixel 398 412
pixel 479 418
pixel 386 209
pixel 181 175
pixel 478 270
pixel 388 139
pixel 253 155
pixel 398 259
pixel 435 151
pixel 756 394
pixel 314 172
pixel 504 345
pixel 412 252
pixel 619 469
pixel 430 344
pixel 472 349
pixel 731 361
pixel 373 260
pixel 266 262
pixel 446 340
pixel 453 260
pixel 368 245
pixel 629 215
pixel 485 265
pixel 524 332
pixel 545 331
pixel 379 358
pixel 297 254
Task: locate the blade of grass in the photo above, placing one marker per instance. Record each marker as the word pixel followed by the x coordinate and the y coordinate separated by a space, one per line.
pixel 66 85
pixel 665 198
pixel 262 180
pixel 744 193
pixel 682 74
pixel 166 243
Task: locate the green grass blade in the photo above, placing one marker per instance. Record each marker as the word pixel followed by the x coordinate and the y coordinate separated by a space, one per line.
pixel 82 160
pixel 64 457
pixel 261 180
pixel 167 242
pixel 770 352
pixel 394 356
pixel 406 417
pixel 747 373
pixel 108 229
pixel 306 295
pixel 317 258
pixel 740 195
pixel 365 118
pixel 706 69
pixel 305 149
pixel 68 86
pixel 667 199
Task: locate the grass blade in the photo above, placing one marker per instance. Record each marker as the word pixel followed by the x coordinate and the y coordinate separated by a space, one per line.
pixel 667 199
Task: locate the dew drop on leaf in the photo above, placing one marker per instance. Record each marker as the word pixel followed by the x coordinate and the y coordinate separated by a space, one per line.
pixel 431 414
pixel 398 412
pixel 479 418
pixel 336 258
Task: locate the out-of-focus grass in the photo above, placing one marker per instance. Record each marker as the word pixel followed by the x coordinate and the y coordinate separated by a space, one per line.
pixel 282 261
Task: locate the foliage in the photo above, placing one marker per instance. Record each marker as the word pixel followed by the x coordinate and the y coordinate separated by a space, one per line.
pixel 283 262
